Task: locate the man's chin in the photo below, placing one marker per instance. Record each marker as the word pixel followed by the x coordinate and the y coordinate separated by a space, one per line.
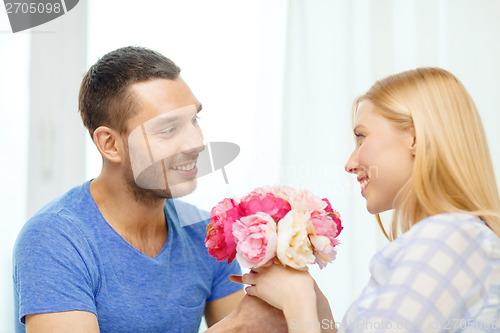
pixel 174 191
pixel 183 189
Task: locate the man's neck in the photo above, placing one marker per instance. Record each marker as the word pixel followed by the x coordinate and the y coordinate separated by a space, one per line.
pixel 141 225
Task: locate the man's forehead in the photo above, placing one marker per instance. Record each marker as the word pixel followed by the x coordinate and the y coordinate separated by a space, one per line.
pixel 157 97
pixel 171 115
pixel 161 85
pixel 156 121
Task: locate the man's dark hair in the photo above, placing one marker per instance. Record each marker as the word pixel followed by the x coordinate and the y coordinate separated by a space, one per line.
pixel 104 98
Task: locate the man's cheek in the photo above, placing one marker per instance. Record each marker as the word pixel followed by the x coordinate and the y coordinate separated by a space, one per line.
pixel 147 157
pixel 153 177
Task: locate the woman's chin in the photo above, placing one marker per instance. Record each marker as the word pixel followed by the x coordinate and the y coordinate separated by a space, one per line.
pixel 375 209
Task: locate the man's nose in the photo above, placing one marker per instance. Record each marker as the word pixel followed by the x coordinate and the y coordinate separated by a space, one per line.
pixel 193 142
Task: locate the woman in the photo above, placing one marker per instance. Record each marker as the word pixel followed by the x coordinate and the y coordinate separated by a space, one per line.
pixel 420 150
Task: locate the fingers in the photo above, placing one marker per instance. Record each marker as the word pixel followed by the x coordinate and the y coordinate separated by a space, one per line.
pixel 246 279
pixel 235 278
pixel 251 290
pixel 267 264
pixel 303 269
pixel 249 278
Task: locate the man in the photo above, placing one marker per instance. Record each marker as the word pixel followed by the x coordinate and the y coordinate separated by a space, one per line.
pixel 110 255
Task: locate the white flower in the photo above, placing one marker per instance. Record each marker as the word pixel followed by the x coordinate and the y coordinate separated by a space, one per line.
pixel 294 247
pixel 323 250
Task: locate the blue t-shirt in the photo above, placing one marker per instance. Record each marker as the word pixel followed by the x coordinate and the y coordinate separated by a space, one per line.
pixel 67 257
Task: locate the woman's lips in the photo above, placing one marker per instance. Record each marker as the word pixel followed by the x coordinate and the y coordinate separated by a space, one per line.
pixel 363 182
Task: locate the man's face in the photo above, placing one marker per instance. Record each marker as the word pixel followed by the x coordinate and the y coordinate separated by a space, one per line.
pixel 163 139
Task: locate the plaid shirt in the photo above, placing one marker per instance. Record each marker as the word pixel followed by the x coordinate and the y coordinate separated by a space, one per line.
pixel 443 275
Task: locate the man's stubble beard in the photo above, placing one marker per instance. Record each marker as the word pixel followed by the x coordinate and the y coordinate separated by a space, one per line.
pixel 143 196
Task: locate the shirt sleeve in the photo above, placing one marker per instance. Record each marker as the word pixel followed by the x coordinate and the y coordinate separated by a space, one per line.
pixel 52 272
pixel 222 286
pixel 436 280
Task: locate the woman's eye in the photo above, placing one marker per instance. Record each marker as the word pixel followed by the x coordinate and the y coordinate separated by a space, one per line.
pixel 359 137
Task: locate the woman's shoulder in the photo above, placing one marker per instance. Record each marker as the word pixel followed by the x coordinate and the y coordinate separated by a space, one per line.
pixel 456 231
pixel 450 232
pixel 451 223
pixel 443 259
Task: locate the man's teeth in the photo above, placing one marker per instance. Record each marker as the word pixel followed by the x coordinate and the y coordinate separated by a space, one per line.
pixel 186 167
pixel 363 183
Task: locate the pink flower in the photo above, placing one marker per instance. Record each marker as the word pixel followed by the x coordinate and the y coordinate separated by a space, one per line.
pixel 256 239
pixel 219 240
pixel 281 191
pixel 304 200
pixel 267 203
pixel 279 221
pixel 335 215
pixel 328 208
pixel 294 247
pixel 322 231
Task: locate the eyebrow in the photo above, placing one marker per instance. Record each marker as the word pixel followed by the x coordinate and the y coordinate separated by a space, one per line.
pixel 175 118
pixel 358 127
pixel 170 119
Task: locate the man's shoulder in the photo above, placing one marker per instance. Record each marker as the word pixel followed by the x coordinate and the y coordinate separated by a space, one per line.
pixel 64 214
pixel 71 200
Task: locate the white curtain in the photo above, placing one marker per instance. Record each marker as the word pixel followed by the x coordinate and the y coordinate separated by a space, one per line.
pixel 335 50
pixel 14 71
pixel 42 138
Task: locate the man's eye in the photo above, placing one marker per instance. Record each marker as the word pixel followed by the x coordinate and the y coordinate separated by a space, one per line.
pixel 195 120
pixel 168 130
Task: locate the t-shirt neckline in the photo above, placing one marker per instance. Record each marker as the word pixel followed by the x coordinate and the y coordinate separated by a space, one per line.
pixel 101 218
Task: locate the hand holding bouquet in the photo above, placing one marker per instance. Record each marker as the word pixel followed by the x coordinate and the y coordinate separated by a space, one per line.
pixel 274 221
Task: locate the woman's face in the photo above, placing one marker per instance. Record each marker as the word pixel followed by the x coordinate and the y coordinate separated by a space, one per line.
pixel 382 159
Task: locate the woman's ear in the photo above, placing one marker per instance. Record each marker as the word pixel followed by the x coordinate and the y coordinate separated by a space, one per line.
pixel 109 143
pixel 413 147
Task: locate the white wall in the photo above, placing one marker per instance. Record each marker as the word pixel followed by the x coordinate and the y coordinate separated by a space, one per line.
pixel 335 51
pixel 231 53
pixel 14 95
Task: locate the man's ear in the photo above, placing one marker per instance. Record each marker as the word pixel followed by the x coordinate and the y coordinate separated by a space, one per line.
pixel 109 143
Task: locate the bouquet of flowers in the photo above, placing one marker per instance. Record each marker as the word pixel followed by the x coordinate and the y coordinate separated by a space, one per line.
pixel 293 225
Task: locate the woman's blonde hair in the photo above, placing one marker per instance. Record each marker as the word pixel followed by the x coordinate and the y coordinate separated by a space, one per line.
pixel 452 170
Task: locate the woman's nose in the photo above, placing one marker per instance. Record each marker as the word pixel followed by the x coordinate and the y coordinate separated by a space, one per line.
pixel 352 164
